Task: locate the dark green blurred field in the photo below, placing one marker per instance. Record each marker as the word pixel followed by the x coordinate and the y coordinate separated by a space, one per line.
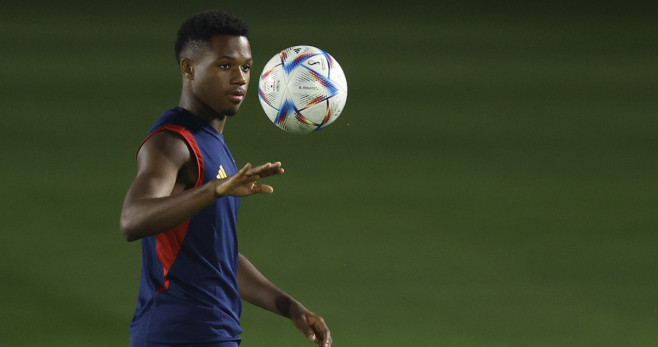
pixel 493 180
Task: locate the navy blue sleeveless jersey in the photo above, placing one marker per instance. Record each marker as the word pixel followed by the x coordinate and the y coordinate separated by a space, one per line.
pixel 188 293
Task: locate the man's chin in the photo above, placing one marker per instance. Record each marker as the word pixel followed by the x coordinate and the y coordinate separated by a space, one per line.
pixel 225 113
pixel 230 112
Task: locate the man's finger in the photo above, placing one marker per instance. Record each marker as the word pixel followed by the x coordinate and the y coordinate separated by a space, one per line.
pixel 244 169
pixel 260 168
pixel 322 332
pixel 262 189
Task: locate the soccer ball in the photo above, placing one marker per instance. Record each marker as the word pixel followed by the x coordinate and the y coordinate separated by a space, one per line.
pixel 302 89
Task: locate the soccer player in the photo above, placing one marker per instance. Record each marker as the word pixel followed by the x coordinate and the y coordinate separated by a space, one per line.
pixel 184 201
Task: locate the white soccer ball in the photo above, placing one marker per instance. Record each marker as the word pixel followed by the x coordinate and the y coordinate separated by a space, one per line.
pixel 302 89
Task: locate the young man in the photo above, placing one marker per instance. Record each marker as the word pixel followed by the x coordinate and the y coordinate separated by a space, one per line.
pixel 184 200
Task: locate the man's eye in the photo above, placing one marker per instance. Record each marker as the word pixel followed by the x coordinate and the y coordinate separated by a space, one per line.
pixel 225 66
pixel 246 68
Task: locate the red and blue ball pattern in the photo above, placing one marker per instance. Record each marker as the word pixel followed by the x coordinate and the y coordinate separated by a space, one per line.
pixel 302 89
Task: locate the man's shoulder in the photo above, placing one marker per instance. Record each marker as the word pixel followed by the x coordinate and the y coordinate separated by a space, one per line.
pixel 166 144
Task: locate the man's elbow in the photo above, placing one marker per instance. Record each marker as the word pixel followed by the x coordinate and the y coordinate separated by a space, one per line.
pixel 128 229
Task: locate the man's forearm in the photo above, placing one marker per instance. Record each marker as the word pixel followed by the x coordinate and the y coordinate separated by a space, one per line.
pixel 151 216
pixel 256 289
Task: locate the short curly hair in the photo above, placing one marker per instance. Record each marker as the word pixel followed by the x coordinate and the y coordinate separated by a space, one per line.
pixel 198 30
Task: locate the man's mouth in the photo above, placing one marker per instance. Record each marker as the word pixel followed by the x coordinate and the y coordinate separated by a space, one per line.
pixel 236 96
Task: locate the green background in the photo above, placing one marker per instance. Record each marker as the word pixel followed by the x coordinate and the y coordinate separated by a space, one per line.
pixel 492 181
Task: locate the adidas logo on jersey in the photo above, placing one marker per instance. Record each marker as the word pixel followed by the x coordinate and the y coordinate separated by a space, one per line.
pixel 221 173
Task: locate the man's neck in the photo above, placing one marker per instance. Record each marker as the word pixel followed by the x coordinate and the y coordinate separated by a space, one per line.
pixel 204 112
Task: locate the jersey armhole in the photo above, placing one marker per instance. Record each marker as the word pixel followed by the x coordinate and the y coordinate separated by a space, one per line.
pixel 189 140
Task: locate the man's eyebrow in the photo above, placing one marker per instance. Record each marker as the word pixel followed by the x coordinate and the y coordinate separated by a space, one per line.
pixel 226 57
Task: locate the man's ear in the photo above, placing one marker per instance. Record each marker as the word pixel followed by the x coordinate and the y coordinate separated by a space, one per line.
pixel 187 68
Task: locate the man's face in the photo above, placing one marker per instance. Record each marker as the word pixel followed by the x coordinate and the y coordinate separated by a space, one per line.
pixel 221 74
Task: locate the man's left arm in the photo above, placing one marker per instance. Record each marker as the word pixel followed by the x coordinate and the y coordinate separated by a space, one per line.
pixel 258 290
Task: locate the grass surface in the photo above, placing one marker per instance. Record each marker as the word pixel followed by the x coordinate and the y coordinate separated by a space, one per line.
pixel 492 181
